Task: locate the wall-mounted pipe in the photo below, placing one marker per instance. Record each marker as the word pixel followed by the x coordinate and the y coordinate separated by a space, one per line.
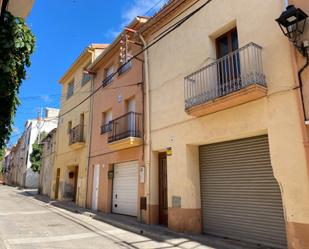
pixel 147 158
pixel 300 72
pixel 286 3
pixel 3 8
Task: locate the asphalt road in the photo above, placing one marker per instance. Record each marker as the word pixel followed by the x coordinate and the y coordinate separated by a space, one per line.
pixel 27 223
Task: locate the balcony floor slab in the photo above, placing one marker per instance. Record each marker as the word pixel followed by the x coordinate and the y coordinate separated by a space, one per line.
pixel 242 96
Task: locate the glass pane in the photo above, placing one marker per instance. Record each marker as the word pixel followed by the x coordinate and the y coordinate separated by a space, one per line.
pixel 234 40
pixel 223 47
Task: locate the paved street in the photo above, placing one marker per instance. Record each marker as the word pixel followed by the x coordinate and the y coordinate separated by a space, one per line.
pixel 27 223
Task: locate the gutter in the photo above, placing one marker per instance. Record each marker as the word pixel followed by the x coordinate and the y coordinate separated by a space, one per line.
pixel 147 120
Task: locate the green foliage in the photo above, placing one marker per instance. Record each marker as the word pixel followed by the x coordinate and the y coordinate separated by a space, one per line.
pixel 37 152
pixel 16 45
pixel 36 157
pixel 2 152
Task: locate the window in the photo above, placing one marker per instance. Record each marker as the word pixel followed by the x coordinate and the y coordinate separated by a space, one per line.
pixel 228 67
pixel 131 105
pixel 81 125
pixel 106 122
pixel 70 89
pixel 86 76
pixel 108 76
pixel 69 126
pixel 85 79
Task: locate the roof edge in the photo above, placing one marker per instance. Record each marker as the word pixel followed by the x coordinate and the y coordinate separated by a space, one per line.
pixel 86 52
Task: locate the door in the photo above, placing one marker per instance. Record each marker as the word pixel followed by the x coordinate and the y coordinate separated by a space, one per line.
pixel 131 106
pixel 240 196
pixel 95 188
pixel 75 183
pixel 57 183
pixel 125 188
pixel 228 63
pixel 163 200
pixel 82 123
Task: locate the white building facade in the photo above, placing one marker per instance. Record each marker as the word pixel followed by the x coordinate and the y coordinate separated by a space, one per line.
pixel 27 178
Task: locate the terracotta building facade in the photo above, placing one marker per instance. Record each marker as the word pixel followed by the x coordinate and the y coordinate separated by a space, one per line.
pixel 115 172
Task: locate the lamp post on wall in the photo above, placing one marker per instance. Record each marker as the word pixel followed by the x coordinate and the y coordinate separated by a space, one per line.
pixel 292 22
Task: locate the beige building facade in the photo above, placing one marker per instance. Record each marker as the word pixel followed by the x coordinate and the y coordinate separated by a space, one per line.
pixel 228 143
pixel 72 142
pixel 48 157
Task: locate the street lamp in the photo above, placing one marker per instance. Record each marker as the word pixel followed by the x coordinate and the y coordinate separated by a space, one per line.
pixel 292 22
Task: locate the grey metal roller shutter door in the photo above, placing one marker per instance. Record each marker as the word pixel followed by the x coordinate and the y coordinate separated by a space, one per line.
pixel 240 197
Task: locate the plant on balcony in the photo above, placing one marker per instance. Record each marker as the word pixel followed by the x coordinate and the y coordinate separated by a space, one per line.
pixel 16 45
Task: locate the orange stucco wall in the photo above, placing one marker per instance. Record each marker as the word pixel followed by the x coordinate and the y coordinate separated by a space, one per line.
pixel 300 60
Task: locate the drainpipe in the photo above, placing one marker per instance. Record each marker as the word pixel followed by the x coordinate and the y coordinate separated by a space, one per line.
pixel 89 130
pixel 286 3
pixel 3 9
pixel 300 72
pixel 147 119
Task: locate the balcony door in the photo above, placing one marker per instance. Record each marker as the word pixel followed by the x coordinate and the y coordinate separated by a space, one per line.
pixel 131 106
pixel 228 63
pixel 81 123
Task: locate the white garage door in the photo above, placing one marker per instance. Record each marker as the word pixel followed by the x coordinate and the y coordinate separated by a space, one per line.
pixel 241 199
pixel 125 188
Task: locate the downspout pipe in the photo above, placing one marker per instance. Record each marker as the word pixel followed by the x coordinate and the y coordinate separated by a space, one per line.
pixel 286 3
pixel 147 120
pixel 300 72
pixel 90 118
pixel 3 9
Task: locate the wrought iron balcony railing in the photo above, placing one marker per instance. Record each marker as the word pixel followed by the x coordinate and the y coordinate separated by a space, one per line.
pixel 226 75
pixel 108 80
pixel 128 125
pixel 106 128
pixel 125 67
pixel 76 135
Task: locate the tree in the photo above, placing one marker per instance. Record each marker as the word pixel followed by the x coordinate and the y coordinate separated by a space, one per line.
pixel 37 152
pixel 2 155
pixel 16 45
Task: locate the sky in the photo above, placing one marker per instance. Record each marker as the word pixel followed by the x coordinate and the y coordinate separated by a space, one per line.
pixel 63 28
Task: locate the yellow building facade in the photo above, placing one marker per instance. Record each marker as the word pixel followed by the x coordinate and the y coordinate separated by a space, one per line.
pixel 227 147
pixel 73 133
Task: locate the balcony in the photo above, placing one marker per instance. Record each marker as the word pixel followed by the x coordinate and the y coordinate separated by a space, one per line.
pixel 106 128
pixel 125 67
pixel 108 80
pixel 126 131
pixel 232 80
pixel 76 137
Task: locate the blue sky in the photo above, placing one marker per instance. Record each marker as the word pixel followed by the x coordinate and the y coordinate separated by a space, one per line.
pixel 63 28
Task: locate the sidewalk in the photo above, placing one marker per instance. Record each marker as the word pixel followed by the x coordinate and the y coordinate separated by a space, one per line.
pixel 159 233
